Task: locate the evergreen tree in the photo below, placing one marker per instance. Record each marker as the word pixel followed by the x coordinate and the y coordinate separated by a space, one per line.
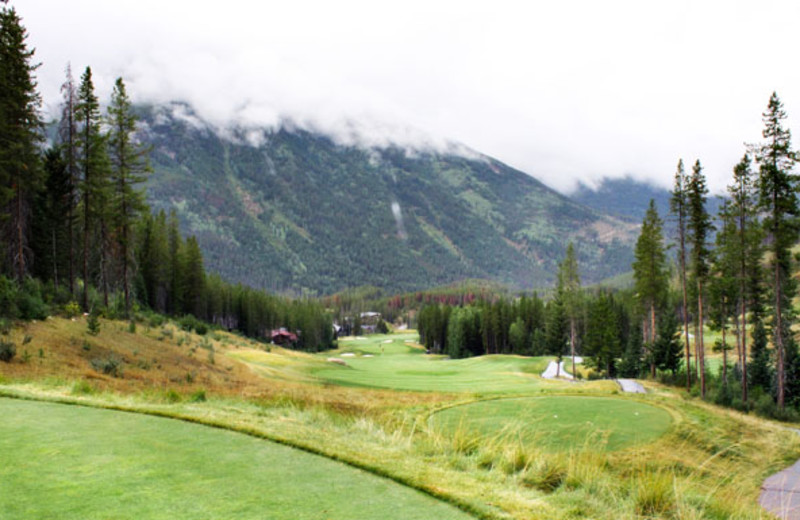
pixel 631 365
pixel 128 171
pixel 778 200
pixel 667 347
pixel 699 227
pixel 68 137
pixel 50 234
pixel 193 279
pixel 650 274
pixel 723 286
pixel 748 254
pixel 20 135
pixel 760 364
pixel 602 340
pixel 679 208
pixel 569 289
pixel 93 162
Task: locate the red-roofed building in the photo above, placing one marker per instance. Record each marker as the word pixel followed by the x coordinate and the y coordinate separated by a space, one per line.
pixel 283 337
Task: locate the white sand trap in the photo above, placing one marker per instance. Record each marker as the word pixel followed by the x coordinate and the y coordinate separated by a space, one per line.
pixel 631 386
pixel 337 361
pixel 347 354
pixel 553 369
pixel 389 341
pixel 367 355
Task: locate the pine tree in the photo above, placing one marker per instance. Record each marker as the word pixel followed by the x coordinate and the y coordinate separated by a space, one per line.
pixel 50 234
pixel 569 288
pixel 723 286
pixel 20 135
pixel 68 137
pixel 194 278
pixel 650 275
pixel 679 208
pixel 778 200
pixel 699 227
pixel 129 167
pixel 602 340
pixel 749 273
pixel 93 161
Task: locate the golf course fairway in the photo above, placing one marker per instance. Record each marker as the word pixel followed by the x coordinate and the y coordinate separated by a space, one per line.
pixel 560 422
pixel 74 462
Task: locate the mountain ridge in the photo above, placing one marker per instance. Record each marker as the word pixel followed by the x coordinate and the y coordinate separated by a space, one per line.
pixel 297 211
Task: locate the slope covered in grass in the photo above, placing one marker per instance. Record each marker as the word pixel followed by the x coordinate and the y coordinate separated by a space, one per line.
pixel 709 463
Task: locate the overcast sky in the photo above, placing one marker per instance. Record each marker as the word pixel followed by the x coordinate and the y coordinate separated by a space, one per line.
pixel 563 90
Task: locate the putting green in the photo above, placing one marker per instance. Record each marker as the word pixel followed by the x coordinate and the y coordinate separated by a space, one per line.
pixel 560 422
pixel 389 361
pixel 72 462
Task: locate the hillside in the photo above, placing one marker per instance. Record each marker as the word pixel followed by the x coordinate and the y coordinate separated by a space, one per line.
pixel 629 198
pixel 298 212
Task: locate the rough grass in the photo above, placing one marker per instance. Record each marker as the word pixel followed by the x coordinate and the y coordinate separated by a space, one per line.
pixel 714 459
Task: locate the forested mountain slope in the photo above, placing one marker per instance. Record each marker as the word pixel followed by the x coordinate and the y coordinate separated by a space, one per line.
pixel 296 211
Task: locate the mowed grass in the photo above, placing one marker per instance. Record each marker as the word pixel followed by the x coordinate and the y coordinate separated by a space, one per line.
pixel 559 423
pixel 396 362
pixel 61 461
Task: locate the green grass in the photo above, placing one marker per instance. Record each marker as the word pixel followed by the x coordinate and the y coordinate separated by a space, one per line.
pixel 390 361
pixel 560 422
pixel 61 461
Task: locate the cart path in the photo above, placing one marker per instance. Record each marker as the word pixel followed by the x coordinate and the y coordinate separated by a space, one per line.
pixel 780 493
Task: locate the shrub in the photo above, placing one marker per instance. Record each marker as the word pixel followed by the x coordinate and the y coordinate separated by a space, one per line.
pixel 110 366
pixel 93 324
pixel 72 309
pixel 198 397
pixel 30 304
pixel 655 494
pixel 201 328
pixel 132 327
pixel 7 351
pixel 171 396
pixel 545 475
pixel 82 388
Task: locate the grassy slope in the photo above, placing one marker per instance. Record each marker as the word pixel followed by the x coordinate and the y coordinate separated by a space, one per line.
pixel 134 466
pixel 709 464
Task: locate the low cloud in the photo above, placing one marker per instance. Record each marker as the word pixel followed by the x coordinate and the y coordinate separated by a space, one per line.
pixel 564 91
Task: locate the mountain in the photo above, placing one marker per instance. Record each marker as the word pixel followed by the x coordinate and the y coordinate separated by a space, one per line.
pixel 293 210
pixel 629 198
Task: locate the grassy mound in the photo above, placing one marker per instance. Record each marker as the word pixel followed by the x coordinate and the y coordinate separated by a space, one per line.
pixel 560 422
pixel 74 462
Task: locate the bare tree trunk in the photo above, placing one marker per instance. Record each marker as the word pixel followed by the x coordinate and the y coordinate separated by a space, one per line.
pixel 699 344
pixel 572 344
pixel 778 338
pixel 724 358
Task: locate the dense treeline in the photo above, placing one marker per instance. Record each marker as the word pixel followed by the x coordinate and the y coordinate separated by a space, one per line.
pixel 76 227
pixel 605 329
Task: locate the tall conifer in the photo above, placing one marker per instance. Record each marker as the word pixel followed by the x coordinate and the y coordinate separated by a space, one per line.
pixel 699 227
pixel 20 135
pixel 778 200
pixel 678 206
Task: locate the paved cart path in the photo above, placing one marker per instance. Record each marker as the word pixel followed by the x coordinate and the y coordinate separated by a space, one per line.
pixel 780 493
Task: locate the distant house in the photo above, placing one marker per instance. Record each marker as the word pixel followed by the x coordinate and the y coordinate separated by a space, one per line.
pixel 369 322
pixel 283 337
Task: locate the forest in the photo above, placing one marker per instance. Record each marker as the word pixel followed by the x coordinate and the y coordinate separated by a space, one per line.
pixel 733 274
pixel 77 232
